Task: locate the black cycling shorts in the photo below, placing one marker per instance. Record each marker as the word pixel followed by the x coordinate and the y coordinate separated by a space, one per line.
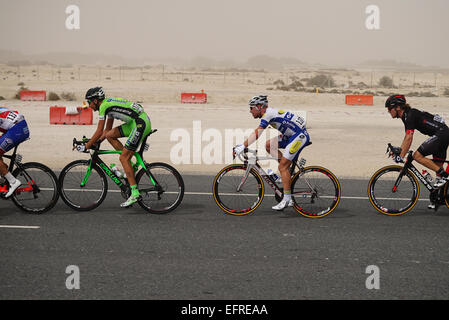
pixel 436 145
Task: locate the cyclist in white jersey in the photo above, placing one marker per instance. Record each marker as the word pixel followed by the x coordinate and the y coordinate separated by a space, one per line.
pixel 14 131
pixel 293 139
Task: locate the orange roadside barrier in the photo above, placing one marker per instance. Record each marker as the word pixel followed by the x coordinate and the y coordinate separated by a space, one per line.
pixel 27 95
pixel 187 97
pixel 58 115
pixel 359 99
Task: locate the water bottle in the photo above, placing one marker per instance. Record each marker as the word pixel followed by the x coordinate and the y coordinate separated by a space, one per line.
pixel 273 175
pixel 427 176
pixel 116 171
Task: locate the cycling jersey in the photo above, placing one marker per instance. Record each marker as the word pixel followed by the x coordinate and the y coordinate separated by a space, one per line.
pixel 9 118
pixel 119 108
pixel 422 121
pixel 293 128
pixel 431 125
pixel 286 122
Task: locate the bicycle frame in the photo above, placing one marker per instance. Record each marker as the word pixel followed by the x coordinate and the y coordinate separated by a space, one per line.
pixel 96 160
pixel 408 165
pixel 252 163
pixel 16 159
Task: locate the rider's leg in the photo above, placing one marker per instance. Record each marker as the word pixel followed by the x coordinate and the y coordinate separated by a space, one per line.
pixel 113 136
pixel 284 170
pixel 437 146
pixel 141 128
pixel 272 147
pixel 292 150
pixel 7 142
pixel 428 163
pixel 125 160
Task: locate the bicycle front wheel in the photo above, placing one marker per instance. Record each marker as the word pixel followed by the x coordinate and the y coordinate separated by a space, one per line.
pixel 161 190
pixel 234 193
pixel 316 192
pixel 80 190
pixel 38 192
pixel 391 194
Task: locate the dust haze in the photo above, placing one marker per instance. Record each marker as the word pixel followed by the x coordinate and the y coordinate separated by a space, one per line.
pixel 327 32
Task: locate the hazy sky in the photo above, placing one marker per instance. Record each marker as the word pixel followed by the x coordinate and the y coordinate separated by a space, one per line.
pixel 326 31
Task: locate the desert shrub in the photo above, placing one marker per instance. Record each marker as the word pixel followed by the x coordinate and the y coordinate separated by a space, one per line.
pixel 17 96
pixel 279 82
pixel 446 92
pixel 362 85
pixel 21 84
pixel 386 82
pixel 321 80
pixel 68 96
pixel 295 86
pixel 52 96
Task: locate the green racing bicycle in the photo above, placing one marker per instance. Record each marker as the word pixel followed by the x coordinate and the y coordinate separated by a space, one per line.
pixel 84 186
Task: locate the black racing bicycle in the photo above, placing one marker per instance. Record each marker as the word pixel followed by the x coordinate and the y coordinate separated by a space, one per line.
pixel 38 192
pixel 394 190
pixel 238 189
pixel 84 185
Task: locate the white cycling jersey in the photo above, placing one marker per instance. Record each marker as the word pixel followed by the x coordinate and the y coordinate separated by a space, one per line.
pixel 8 118
pixel 286 122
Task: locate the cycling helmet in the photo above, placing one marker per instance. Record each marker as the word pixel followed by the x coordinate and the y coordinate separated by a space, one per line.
pixel 96 92
pixel 395 100
pixel 258 100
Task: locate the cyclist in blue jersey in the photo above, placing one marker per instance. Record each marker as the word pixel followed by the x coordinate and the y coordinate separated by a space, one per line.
pixel 293 139
pixel 14 131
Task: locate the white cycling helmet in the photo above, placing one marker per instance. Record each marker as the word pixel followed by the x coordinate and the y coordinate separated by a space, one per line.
pixel 258 100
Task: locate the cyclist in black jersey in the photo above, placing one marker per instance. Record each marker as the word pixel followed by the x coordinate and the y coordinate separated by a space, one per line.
pixel 428 124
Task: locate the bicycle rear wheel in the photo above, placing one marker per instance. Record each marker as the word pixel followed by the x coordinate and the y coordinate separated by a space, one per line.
pixel 390 196
pixel 233 201
pixel 167 191
pixel 38 192
pixel 316 192
pixel 77 196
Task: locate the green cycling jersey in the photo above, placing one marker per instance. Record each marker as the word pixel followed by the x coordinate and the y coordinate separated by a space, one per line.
pixel 119 108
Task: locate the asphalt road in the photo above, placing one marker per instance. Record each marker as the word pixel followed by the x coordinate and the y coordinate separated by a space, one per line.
pixel 197 252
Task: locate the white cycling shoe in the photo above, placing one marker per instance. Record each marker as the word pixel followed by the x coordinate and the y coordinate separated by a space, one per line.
pixel 13 187
pixel 131 200
pixel 440 181
pixel 283 204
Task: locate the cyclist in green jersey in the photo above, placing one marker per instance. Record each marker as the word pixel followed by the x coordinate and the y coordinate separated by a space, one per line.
pixel 136 127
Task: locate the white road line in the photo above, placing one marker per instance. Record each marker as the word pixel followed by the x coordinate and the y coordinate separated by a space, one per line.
pixel 19 227
pixel 250 194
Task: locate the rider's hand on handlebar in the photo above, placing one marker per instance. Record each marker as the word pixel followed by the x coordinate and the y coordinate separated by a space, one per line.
pixel 81 148
pixel 397 158
pixel 238 149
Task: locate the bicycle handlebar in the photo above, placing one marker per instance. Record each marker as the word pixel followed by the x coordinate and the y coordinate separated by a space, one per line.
pixel 85 140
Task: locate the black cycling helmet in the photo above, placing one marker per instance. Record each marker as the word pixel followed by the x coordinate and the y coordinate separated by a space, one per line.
pixel 395 100
pixel 93 93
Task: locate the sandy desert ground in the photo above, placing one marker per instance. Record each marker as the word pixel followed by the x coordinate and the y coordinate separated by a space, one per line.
pixel 349 140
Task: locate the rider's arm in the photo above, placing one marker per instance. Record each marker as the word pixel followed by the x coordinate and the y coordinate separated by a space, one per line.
pixel 253 136
pixel 97 134
pixel 406 143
